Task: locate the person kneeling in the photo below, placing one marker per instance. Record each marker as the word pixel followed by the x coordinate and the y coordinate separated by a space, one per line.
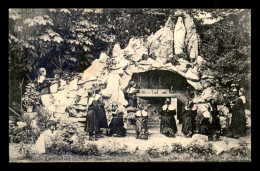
pixel 189 115
pixel 116 126
pixel 141 123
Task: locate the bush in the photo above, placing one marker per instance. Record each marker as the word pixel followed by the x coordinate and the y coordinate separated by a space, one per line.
pixel 177 148
pixel 31 97
pixel 43 118
pixel 114 148
pixel 201 150
pixel 68 139
pixel 165 150
pixel 29 133
pixel 241 152
pixel 153 151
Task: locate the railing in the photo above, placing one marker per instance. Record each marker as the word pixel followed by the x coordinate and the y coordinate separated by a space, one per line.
pixel 157 93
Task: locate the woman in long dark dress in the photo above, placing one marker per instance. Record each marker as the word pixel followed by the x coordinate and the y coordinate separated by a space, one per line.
pixel 92 126
pixel 238 121
pixel 102 118
pixel 168 123
pixel 215 125
pixel 116 126
pixel 189 124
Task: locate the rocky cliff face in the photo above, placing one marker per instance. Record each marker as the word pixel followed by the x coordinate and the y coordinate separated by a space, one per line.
pixel 113 73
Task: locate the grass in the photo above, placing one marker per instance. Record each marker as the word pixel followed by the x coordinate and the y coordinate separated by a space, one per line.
pixel 151 155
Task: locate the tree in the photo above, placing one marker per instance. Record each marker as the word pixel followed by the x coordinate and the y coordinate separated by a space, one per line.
pixel 226 46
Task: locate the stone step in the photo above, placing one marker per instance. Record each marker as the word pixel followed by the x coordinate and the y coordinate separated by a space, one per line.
pixel 77 119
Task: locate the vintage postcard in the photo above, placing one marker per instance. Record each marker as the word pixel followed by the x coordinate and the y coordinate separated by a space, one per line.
pixel 129 85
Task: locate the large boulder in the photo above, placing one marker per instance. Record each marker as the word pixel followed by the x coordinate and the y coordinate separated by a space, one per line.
pixel 207 94
pixel 96 69
pixel 47 99
pixel 63 84
pixel 161 44
pixel 21 124
pixel 192 74
pixel 200 137
pixel 200 61
pixel 103 57
pixel 183 65
pixel 61 97
pixel 44 139
pixel 135 49
pixel 179 36
pixel 232 143
pixel 73 84
pixel 112 88
pixel 54 88
pixel 219 146
pixel 196 85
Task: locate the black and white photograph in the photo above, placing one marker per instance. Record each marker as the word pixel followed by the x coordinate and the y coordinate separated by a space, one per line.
pixel 129 85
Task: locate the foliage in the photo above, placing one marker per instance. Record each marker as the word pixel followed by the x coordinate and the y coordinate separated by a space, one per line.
pixel 153 151
pixel 226 48
pixel 23 135
pixel 70 39
pixel 113 148
pixel 205 150
pixel 31 97
pixel 68 139
pixel 43 118
pixel 241 152
pixel 177 148
pixel 30 133
pixel 69 76
pixel 25 150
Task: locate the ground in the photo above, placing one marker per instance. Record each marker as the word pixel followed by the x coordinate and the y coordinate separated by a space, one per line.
pixel 156 148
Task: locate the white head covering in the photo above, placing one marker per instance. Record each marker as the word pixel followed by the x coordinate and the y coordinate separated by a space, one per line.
pixel 97 97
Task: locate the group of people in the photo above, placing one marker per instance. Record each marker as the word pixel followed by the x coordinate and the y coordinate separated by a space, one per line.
pixel 206 123
pixel 96 116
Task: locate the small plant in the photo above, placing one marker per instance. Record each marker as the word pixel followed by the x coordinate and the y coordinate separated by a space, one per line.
pixel 90 149
pixel 165 150
pixel 173 60
pixel 25 150
pixel 205 150
pixel 241 152
pixel 153 151
pixel 31 97
pixel 177 148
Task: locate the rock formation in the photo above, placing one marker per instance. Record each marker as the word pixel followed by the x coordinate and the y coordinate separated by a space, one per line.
pixel 113 73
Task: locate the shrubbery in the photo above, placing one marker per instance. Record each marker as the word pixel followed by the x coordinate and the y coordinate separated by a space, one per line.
pixel 69 138
pixel 30 133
